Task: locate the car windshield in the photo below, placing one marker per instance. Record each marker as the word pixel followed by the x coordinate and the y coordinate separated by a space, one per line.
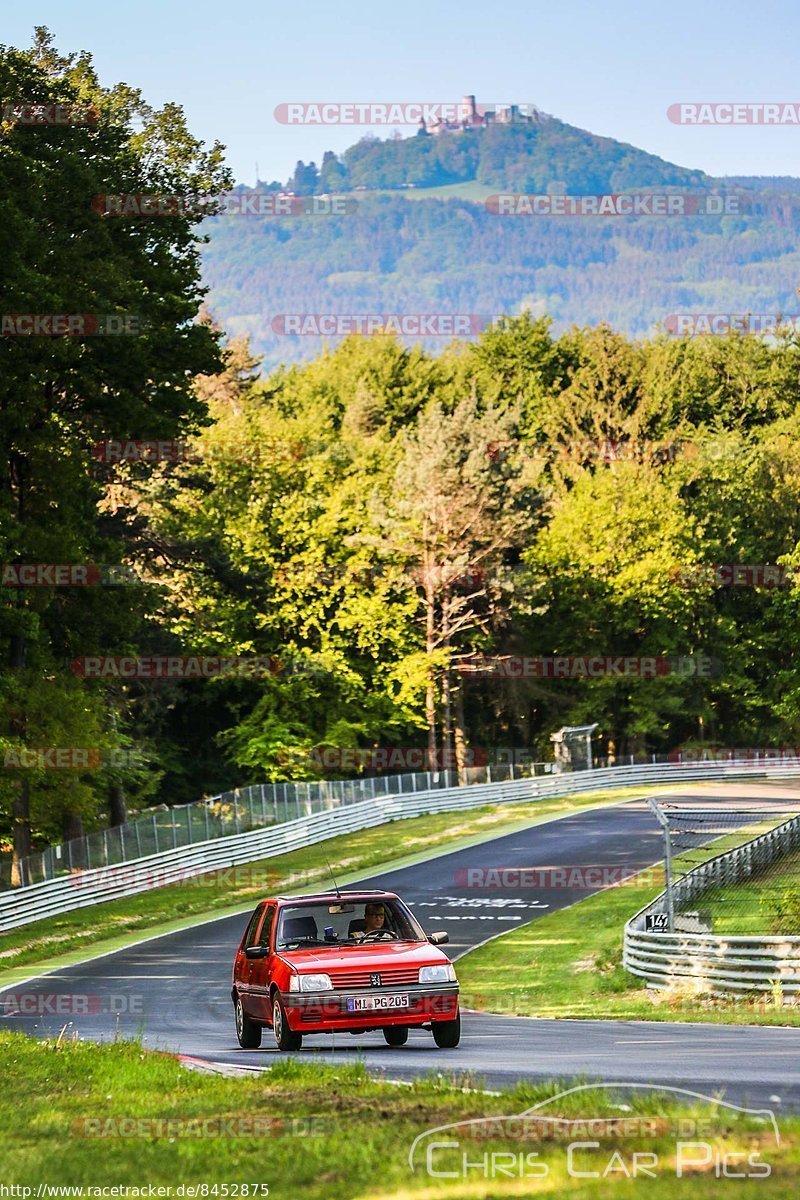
pixel 346 922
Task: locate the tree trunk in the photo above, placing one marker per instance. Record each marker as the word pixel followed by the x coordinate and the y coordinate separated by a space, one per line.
pixel 17 661
pixel 447 730
pixel 460 734
pixel 21 830
pixel 116 804
pixel 430 687
pixel 71 826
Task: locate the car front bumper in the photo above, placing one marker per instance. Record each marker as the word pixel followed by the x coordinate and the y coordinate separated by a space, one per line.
pixel 318 1012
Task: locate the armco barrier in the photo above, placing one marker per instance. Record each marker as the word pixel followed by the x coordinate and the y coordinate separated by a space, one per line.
pixel 84 888
pixel 715 962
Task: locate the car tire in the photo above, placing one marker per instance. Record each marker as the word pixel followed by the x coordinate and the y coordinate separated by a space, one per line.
pixel 248 1033
pixel 285 1039
pixel 396 1035
pixel 447 1034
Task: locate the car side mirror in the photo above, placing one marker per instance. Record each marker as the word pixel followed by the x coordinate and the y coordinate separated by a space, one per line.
pixel 256 952
pixel 439 939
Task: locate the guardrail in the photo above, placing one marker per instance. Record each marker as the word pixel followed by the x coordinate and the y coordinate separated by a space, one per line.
pixel 229 813
pixel 729 963
pixel 83 888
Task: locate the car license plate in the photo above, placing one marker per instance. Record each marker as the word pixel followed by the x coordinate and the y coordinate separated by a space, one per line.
pixel 369 1003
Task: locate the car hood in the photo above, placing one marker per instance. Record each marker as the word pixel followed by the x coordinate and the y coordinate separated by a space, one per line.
pixel 402 954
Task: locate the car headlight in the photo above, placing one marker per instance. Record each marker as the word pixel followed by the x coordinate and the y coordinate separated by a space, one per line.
pixel 442 973
pixel 310 983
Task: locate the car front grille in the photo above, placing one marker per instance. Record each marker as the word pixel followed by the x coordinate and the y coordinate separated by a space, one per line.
pixel 390 977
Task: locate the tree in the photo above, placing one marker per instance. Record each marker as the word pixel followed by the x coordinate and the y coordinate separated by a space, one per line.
pixel 59 395
pixel 305 180
pixel 332 174
pixel 456 512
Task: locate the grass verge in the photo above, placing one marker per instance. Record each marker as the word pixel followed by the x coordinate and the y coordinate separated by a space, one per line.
pixel 57 941
pixel 568 964
pixel 767 903
pixel 112 1115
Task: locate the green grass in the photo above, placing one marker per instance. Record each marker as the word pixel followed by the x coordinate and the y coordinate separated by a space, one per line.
pixel 477 192
pixel 339 1134
pixel 110 926
pixel 767 903
pixel 569 965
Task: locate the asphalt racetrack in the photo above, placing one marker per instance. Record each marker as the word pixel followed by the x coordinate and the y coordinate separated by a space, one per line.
pixel 174 991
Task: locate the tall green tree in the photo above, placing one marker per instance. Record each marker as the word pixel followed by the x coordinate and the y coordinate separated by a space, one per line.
pixel 60 395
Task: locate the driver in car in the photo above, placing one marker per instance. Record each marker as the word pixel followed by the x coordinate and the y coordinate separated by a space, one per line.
pixel 374 919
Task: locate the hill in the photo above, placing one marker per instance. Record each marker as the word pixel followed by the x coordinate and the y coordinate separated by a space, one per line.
pixel 405 247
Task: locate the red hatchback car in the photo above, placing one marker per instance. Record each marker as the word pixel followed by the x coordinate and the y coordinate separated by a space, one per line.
pixel 344 962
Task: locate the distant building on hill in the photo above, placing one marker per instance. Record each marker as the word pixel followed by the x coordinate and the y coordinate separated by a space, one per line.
pixel 470 118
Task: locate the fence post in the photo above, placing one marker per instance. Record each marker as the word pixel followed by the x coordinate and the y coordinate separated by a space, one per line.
pixel 138 840
pixel 236 812
pixel 174 829
pixel 105 845
pixel 664 823
pixel 155 832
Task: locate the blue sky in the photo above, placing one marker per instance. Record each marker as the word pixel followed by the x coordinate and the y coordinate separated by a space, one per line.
pixel 612 68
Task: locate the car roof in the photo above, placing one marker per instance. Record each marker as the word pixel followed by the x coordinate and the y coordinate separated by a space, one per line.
pixel 340 894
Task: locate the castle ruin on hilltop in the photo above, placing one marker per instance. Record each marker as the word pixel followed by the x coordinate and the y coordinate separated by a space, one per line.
pixel 470 116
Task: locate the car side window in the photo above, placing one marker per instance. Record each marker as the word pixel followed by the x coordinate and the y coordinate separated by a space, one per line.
pixel 250 936
pixel 266 928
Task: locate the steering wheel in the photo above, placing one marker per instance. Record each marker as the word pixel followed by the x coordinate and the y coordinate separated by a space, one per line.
pixel 375 935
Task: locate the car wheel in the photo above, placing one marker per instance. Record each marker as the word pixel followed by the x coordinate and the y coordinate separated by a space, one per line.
pixel 396 1035
pixel 447 1034
pixel 248 1033
pixel 285 1039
